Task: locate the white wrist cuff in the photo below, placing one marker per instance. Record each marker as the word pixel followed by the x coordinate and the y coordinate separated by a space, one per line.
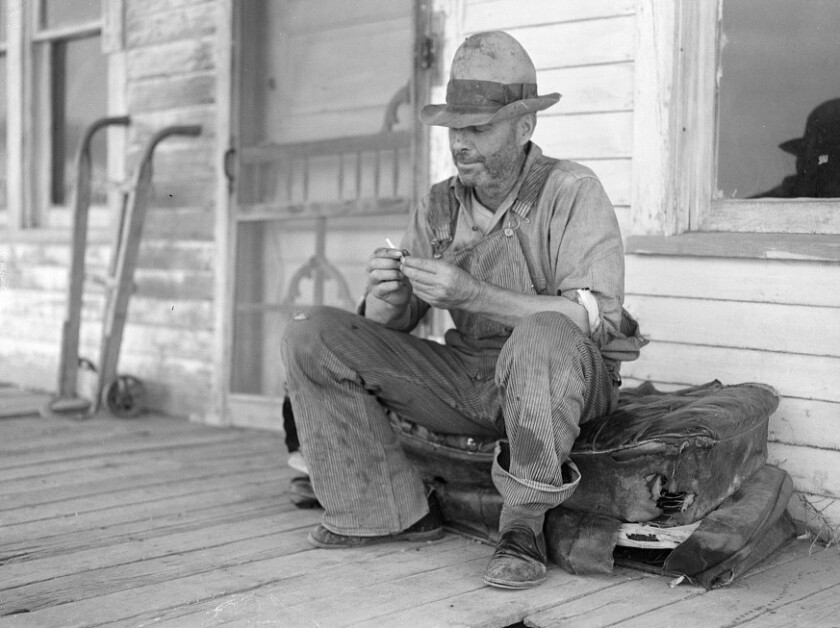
pixel 590 303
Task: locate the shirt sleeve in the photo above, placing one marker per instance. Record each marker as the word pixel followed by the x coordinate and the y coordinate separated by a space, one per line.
pixel 587 251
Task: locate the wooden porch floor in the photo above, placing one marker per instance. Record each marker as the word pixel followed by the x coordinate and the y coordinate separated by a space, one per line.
pixel 159 521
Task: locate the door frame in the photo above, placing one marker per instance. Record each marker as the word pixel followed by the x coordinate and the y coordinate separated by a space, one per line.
pixel 259 411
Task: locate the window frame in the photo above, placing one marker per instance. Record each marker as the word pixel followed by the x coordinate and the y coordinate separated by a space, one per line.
pixel 675 144
pixel 29 141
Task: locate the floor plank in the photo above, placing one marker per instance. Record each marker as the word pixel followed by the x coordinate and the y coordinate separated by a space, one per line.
pixel 751 597
pixel 224 493
pixel 159 521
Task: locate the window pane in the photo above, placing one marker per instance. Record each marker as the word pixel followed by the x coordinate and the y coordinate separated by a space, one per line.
pixel 69 12
pixel 3 132
pixel 779 99
pixel 79 84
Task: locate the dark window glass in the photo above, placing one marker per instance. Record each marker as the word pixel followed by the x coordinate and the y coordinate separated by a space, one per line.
pixel 57 13
pixel 779 99
pixel 79 89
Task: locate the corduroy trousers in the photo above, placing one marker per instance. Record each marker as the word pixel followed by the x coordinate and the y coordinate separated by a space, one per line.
pixel 344 373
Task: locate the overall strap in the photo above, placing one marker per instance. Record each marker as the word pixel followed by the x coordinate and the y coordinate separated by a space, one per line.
pixel 533 185
pixel 444 206
pixel 443 215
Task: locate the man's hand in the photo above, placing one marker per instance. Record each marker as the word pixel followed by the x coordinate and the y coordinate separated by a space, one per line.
pixel 441 284
pixel 385 280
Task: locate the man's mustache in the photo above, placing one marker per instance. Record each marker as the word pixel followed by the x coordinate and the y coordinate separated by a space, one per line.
pixel 461 157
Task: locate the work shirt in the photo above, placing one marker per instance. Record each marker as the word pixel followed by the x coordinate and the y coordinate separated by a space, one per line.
pixel 570 238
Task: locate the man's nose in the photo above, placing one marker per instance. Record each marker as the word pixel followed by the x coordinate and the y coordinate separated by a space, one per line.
pixel 458 139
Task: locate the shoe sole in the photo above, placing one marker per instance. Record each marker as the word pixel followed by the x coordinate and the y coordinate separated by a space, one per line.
pixel 412 537
pixel 508 584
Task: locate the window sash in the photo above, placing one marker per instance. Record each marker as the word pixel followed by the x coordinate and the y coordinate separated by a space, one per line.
pixel 699 34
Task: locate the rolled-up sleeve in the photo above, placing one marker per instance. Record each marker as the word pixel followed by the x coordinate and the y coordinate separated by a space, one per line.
pixel 586 249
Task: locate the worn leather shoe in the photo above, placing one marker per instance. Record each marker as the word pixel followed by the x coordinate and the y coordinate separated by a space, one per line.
pixel 429 528
pixel 519 560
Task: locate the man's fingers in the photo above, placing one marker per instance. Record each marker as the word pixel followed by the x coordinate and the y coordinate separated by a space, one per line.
pixel 423 264
pixel 386 274
pixel 388 253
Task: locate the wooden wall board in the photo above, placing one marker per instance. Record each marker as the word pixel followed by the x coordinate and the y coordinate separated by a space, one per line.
pixel 578 43
pixel 803 376
pixel 812 468
pixel 305 18
pixel 589 89
pixel 177 57
pixel 162 24
pixel 144 124
pixel 806 422
pixel 157 94
pixel 154 253
pixel 486 15
pixel 614 175
pixel 737 280
pixel 586 136
pixel 779 328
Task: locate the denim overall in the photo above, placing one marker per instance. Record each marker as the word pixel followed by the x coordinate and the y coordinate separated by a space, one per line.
pixel 532 385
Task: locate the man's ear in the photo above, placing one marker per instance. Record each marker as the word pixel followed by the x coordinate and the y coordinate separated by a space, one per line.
pixel 525 128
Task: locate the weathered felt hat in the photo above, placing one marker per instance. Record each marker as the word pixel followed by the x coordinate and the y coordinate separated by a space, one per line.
pixel 492 78
pixel 822 131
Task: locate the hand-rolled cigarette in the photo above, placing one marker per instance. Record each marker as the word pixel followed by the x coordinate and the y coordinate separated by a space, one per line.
pixel 391 245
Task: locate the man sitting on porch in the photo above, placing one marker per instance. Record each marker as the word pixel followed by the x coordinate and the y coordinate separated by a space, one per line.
pixel 525 253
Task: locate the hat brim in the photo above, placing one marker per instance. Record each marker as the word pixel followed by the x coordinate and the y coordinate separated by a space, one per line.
pixel 456 117
pixel 794 147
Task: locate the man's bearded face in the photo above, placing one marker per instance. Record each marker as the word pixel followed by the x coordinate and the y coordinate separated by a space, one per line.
pixel 485 155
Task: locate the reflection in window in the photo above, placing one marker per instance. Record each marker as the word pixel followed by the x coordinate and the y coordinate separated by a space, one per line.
pixel 779 99
pixel 79 97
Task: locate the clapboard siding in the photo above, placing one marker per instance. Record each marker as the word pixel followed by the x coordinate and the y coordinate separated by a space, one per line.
pixel 738 320
pixel 804 422
pixel 173 314
pixel 814 470
pixel 803 376
pixel 178 57
pixel 195 255
pixel 306 17
pixel 166 93
pixel 33 364
pixel 570 44
pixel 734 279
pixel 586 136
pixel 485 15
pixel 770 327
pixel 178 21
pixel 589 89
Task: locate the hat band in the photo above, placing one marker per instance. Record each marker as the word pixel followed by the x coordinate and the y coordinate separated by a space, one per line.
pixel 474 93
